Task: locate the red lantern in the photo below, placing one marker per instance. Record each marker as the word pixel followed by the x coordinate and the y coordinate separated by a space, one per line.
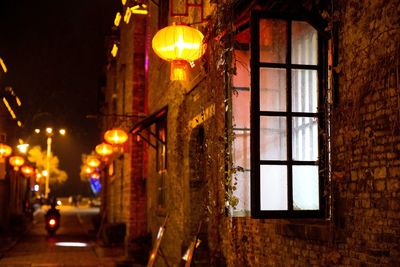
pixel 5 150
pixel 116 136
pixel 16 162
pixel 179 44
pixel 104 149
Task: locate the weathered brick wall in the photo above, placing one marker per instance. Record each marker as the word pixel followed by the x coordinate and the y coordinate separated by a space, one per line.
pixel 125 192
pixel 364 228
pixel 366 129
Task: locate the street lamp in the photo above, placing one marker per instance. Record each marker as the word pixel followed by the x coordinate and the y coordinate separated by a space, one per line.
pixel 49 133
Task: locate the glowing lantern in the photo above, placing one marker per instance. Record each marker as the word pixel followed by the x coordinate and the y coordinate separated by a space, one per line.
pixel 179 44
pixel 27 170
pixel 104 149
pixel 95 175
pixel 93 162
pixel 87 169
pixel 5 151
pixel 116 136
pixel 16 162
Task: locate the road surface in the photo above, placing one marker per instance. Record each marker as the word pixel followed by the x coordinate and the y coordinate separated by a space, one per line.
pixel 73 245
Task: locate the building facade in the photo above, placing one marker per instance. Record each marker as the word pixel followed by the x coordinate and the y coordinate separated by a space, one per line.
pixel 280 148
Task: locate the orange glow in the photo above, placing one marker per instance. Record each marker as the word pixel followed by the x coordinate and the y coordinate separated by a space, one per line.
pixel 114 50
pixel 17 161
pixel 116 136
pixel 127 16
pixel 27 170
pixel 3 65
pixel 117 19
pixel 178 42
pixel 104 149
pixel 5 150
pixel 10 110
pixel 179 71
pixel 139 9
pixel 52 222
pixel 95 175
pixel 93 162
pixel 88 169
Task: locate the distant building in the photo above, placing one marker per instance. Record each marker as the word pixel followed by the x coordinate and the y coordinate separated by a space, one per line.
pixel 12 186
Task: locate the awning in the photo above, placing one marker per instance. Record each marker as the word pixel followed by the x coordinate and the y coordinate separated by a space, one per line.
pixel 144 125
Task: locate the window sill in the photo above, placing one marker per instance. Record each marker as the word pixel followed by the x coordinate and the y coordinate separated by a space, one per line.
pixel 310 229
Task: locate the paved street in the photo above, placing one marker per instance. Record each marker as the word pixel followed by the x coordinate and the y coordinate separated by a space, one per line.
pixel 37 248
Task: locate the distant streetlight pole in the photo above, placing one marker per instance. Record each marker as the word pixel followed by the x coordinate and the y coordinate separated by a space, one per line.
pixel 49 134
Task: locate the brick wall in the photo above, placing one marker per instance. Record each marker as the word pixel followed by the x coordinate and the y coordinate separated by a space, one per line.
pixel 364 228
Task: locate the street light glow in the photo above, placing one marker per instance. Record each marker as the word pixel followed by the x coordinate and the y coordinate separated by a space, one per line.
pixel 71 244
pixel 49 130
pixel 62 131
pixel 23 148
pixel 37 131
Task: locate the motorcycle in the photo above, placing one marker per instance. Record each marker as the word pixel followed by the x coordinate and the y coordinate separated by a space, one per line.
pixel 52 219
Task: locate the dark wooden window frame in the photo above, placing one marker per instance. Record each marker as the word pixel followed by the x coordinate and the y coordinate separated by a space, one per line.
pixel 321 68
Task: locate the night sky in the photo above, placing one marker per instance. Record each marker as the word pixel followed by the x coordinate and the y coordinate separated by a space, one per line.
pixel 55 54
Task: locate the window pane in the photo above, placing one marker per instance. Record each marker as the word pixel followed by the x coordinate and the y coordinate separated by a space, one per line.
pixel 241 109
pixel 304 43
pixel 305 138
pixel 273 41
pixel 304 91
pixel 242 192
pixel 241 149
pixel 305 188
pixel 272 89
pixel 242 63
pixel 273 138
pixel 273 191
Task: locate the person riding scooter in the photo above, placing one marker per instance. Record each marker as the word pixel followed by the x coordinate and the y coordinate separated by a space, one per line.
pixel 52 218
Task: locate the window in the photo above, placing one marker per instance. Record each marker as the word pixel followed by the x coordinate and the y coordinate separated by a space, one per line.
pixel 280 79
pixel 241 122
pixel 161 145
pixel 286 123
pixel 153 130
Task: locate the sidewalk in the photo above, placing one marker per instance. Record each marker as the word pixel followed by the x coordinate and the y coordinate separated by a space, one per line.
pixel 10 238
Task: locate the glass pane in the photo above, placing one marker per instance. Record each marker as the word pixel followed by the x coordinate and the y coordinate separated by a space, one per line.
pixel 305 188
pixel 242 63
pixel 305 138
pixel 304 43
pixel 273 138
pixel 242 192
pixel 241 109
pixel 272 89
pixel 273 191
pixel 273 41
pixel 241 149
pixel 304 91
